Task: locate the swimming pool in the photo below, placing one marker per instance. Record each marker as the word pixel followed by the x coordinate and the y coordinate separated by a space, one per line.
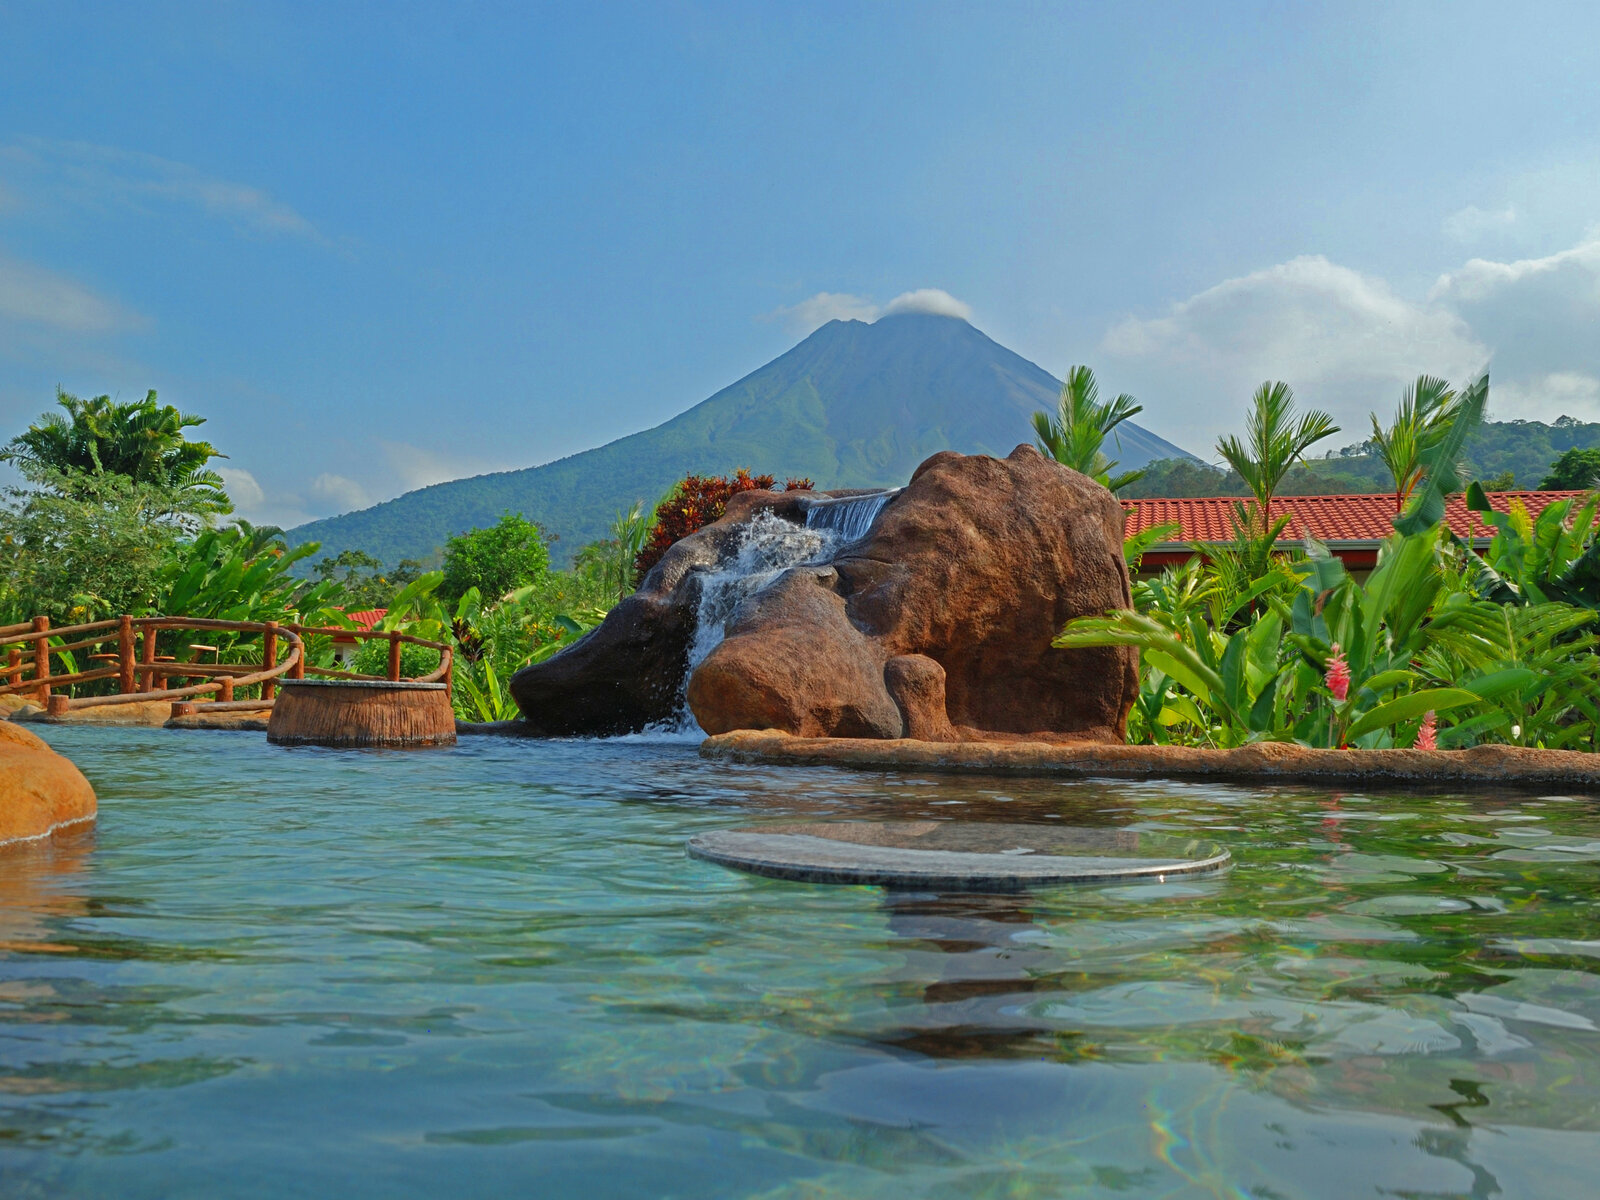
pixel 493 970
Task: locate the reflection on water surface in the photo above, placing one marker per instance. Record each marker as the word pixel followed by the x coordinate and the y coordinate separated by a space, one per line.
pixel 300 972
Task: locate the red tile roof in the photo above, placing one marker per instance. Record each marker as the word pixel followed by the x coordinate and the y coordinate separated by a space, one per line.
pixel 1352 518
pixel 366 618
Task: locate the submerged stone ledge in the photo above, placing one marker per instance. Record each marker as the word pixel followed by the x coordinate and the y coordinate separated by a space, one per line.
pixel 1263 762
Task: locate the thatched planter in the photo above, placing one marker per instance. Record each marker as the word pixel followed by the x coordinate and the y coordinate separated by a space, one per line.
pixel 361 712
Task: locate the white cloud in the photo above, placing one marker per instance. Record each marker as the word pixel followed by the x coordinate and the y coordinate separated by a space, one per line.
pixel 243 490
pixel 254 503
pixel 37 296
pixel 928 300
pixel 339 490
pixel 89 174
pixel 1480 278
pixel 1472 224
pixel 818 310
pixel 1306 320
pixel 417 467
pixel 1560 393
pixel 1348 342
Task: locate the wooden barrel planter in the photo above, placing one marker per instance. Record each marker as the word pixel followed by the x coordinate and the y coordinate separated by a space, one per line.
pixel 361 712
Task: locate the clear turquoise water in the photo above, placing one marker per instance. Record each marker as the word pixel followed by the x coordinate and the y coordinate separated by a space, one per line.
pixel 493 971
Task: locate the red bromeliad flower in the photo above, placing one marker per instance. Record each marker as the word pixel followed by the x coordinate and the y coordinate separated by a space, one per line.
pixel 1426 736
pixel 1338 676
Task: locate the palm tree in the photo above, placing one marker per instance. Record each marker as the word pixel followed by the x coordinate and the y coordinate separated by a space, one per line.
pixel 1274 440
pixel 140 439
pixel 1075 434
pixel 1426 410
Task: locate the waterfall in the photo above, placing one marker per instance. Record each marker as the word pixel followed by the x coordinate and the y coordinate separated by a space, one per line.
pixel 850 517
pixel 768 546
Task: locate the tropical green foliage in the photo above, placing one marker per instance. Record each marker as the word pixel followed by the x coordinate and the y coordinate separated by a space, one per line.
pixel 82 547
pixel 510 554
pixel 1275 438
pixel 1499 646
pixel 1075 434
pixel 373 659
pixel 612 560
pixel 142 440
pixel 242 573
pixel 1427 409
pixel 494 641
pixel 1413 638
pixel 1532 561
pixel 362 580
pixel 1575 470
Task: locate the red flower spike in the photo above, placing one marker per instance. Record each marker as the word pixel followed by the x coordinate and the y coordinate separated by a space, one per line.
pixel 1338 676
pixel 1427 738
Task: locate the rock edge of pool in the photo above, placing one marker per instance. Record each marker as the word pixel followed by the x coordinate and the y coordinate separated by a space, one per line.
pixel 1262 762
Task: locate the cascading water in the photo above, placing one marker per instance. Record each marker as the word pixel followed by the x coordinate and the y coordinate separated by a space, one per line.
pixel 850 518
pixel 769 546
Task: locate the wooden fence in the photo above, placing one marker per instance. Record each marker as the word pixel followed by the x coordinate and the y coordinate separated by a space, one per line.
pixel 127 646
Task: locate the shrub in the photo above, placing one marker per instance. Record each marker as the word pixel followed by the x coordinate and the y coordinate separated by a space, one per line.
pixel 81 547
pixel 1574 470
pixel 508 555
pixel 696 502
pixel 373 659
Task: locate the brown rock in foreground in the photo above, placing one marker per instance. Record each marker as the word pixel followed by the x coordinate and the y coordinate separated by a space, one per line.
pixel 1263 762
pixel 40 791
pixel 936 622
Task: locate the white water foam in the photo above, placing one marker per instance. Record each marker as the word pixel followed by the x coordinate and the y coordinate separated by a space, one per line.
pixel 850 519
pixel 768 546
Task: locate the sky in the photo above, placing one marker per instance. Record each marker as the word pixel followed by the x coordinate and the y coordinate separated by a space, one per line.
pixel 382 245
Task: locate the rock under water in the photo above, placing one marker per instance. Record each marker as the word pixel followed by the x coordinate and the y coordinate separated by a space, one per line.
pixel 926 613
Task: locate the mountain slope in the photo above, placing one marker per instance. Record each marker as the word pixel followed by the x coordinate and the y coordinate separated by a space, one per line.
pixel 854 405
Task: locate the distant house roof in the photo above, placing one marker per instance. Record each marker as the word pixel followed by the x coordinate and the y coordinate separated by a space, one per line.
pixel 1354 520
pixel 366 618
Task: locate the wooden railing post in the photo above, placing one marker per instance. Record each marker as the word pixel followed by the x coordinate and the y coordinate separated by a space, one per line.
pixel 125 682
pixel 394 655
pixel 298 671
pixel 147 660
pixel 14 667
pixel 269 658
pixel 41 657
pixel 227 689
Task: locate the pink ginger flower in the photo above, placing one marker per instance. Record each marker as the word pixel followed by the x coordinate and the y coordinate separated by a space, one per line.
pixel 1338 676
pixel 1426 739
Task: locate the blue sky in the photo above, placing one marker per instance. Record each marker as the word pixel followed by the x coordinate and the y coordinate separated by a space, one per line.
pixel 383 245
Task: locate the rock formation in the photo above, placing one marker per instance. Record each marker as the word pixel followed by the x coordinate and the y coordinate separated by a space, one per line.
pixel 926 613
pixel 40 791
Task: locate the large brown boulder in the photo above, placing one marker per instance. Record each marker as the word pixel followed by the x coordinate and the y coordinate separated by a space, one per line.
pixel 40 791
pixel 936 624
pixel 958 589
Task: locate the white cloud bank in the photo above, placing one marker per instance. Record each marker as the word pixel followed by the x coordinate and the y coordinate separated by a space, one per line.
pixel 343 493
pixel 1349 342
pixel 86 174
pixel 33 295
pixel 818 310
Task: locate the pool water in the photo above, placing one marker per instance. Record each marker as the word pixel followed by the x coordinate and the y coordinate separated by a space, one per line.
pixel 493 970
